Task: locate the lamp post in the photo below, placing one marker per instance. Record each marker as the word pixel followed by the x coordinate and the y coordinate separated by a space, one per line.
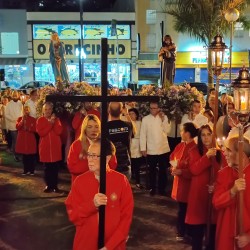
pixel 241 90
pixel 231 15
pixel 81 59
pixel 217 49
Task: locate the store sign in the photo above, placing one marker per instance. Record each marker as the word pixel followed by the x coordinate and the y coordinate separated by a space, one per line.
pixel 73 31
pixel 92 49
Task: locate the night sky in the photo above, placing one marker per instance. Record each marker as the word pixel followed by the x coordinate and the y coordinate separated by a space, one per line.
pixel 70 5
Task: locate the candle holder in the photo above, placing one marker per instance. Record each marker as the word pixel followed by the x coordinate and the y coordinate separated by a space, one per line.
pixel 241 89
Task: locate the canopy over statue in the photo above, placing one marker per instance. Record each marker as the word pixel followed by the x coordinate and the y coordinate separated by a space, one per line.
pixel 57 59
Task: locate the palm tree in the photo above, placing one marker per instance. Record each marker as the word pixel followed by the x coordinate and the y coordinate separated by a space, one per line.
pixel 203 19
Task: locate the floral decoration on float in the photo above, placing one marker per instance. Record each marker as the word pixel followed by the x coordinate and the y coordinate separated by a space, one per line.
pixel 175 100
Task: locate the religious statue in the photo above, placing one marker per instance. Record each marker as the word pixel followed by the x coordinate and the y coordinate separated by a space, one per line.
pixel 167 55
pixel 57 59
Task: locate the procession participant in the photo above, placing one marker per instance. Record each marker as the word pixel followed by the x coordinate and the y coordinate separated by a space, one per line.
pixel 86 109
pixel 13 110
pixel 77 157
pixel 225 199
pixel 179 160
pixel 204 158
pixel 195 116
pixel 26 140
pixel 84 200
pixel 120 133
pixel 49 129
pixel 136 156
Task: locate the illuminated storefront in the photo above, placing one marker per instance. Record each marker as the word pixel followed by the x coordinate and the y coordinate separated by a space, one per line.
pixel 119 48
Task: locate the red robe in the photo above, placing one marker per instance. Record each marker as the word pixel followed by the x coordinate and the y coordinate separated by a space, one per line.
pixel 226 207
pixel 182 182
pixel 198 198
pixel 84 215
pixel 26 140
pixel 78 119
pixel 50 141
pixel 78 166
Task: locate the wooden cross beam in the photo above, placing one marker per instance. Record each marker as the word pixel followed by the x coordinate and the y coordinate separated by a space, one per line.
pixel 104 99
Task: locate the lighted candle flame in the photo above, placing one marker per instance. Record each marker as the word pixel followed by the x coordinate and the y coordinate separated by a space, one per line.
pixel 242 103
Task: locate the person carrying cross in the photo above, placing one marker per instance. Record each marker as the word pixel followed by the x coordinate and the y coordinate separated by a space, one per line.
pixel 82 204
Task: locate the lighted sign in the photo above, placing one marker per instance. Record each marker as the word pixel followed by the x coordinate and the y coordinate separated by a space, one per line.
pixel 200 57
pixel 73 32
pixel 92 49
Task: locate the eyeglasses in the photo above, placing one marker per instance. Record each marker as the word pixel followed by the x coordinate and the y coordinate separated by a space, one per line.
pixel 93 156
pixel 154 108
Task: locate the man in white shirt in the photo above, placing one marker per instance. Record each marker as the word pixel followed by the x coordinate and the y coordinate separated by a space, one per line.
pixel 32 102
pixel 154 146
pixel 12 112
pixel 195 115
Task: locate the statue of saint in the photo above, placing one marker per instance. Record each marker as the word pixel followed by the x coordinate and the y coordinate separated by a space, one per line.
pixel 57 59
pixel 167 56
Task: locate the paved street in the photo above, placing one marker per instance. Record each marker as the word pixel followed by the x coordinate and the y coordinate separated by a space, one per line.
pixel 33 220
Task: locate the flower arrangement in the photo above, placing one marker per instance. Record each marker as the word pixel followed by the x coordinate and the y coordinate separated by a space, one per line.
pixel 175 100
pixel 77 88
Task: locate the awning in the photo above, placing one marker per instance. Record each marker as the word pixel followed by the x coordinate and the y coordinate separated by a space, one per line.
pixel 13 61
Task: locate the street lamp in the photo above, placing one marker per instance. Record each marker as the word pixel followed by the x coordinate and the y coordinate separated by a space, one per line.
pixel 231 15
pixel 241 89
pixel 217 49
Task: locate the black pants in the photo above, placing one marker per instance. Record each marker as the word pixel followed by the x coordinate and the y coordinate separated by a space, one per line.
pixel 197 234
pixel 163 162
pixel 51 174
pixel 29 163
pixel 181 225
pixel 135 168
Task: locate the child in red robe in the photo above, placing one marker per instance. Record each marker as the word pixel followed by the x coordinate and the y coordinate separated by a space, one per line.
pixel 84 200
pixel 26 140
pixel 225 199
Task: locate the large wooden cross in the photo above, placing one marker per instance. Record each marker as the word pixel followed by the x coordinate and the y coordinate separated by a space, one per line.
pixel 104 99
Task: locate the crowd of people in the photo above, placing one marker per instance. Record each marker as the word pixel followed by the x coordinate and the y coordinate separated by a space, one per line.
pixel 204 170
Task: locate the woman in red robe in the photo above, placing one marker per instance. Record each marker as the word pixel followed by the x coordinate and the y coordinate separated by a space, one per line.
pixel 77 158
pixel 49 129
pixel 225 199
pixel 84 200
pixel 204 158
pixel 179 159
pixel 26 141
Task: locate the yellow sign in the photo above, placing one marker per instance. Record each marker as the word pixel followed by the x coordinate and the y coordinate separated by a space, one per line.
pixel 92 49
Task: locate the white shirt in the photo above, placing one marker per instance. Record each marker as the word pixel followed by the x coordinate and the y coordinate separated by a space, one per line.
pixel 135 142
pixel 12 112
pixel 153 135
pixel 199 120
pixel 32 106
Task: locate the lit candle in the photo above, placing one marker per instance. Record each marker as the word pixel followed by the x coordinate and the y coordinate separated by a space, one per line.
pixel 242 103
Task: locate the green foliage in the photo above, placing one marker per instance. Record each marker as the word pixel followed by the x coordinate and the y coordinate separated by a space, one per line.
pixel 202 19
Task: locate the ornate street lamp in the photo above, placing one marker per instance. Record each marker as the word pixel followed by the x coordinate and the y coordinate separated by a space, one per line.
pixel 231 15
pixel 217 49
pixel 241 90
